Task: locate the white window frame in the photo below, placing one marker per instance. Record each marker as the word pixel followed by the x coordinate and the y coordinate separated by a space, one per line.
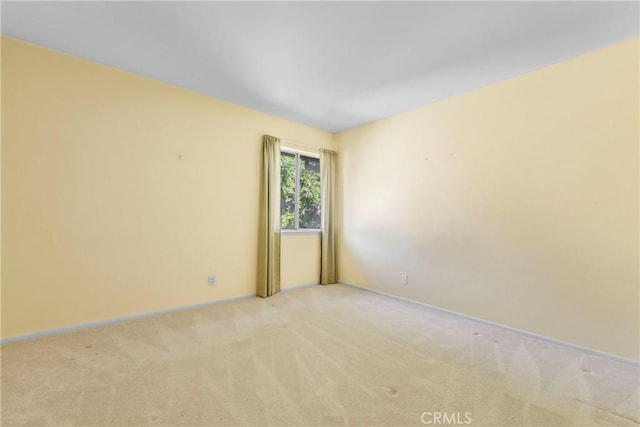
pixel 297 154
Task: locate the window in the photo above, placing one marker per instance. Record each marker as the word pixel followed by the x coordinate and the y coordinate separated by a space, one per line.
pixel 299 192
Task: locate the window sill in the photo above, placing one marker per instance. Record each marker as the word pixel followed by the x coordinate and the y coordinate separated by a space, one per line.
pixel 300 232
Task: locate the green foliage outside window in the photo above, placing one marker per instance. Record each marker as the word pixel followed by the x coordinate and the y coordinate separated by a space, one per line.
pixel 288 191
pixel 308 203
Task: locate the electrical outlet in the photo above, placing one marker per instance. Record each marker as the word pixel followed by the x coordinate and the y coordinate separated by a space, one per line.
pixel 404 279
pixel 212 280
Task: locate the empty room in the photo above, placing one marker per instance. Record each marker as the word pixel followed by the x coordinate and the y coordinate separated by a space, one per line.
pixel 320 213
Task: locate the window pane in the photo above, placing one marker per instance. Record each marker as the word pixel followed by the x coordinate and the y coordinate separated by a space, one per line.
pixel 287 191
pixel 309 209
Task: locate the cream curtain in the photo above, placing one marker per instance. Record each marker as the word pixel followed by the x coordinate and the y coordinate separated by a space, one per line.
pixel 328 217
pixel 269 210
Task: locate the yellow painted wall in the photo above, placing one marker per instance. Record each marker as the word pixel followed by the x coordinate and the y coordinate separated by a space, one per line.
pixel 515 203
pixel 302 252
pixel 121 194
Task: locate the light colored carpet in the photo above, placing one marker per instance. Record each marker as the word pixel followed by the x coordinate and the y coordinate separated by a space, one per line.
pixel 323 356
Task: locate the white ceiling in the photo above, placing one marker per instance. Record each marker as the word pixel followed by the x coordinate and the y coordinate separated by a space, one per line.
pixel 331 65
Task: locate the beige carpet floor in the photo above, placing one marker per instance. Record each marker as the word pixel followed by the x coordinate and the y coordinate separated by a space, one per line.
pixel 327 356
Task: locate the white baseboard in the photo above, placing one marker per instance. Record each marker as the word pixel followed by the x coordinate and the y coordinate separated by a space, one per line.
pixel 72 328
pixel 306 285
pixel 501 326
